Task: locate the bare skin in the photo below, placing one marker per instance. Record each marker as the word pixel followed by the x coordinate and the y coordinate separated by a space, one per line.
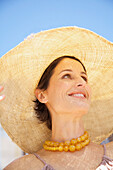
pixel 66 110
pixel 88 158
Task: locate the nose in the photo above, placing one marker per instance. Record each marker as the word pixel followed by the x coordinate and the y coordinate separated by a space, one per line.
pixel 80 82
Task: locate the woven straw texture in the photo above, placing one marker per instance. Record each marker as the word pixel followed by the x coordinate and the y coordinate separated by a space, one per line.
pixel 22 67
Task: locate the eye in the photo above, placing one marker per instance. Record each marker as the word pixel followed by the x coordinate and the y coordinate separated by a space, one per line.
pixel 66 76
pixel 85 78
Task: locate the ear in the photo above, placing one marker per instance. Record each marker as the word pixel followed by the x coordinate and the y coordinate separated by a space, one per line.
pixel 41 95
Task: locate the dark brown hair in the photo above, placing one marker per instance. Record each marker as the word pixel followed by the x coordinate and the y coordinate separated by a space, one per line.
pixel 41 110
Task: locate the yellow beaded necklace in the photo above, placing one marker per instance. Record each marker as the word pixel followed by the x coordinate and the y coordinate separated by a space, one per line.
pixel 73 145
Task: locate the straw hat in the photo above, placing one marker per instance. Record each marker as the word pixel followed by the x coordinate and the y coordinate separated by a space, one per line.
pixel 22 67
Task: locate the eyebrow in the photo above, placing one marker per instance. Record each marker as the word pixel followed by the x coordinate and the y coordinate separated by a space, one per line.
pixel 84 73
pixel 66 70
pixel 72 71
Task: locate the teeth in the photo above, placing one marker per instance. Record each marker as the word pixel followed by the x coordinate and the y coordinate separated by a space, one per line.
pixel 78 95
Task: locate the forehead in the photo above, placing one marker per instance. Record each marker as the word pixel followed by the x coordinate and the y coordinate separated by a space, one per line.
pixel 68 63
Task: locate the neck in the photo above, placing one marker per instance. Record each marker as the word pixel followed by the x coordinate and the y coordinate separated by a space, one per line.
pixel 64 128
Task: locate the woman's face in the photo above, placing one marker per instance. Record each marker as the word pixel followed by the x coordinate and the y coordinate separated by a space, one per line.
pixel 68 90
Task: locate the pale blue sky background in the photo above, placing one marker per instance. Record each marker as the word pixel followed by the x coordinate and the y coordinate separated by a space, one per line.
pixel 19 18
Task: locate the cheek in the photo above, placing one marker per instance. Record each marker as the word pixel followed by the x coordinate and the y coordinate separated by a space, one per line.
pixel 58 90
pixel 64 85
pixel 61 88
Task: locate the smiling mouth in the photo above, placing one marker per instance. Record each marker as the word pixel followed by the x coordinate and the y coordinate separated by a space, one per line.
pixel 78 95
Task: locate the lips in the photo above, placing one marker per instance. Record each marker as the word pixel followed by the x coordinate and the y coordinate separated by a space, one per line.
pixel 78 94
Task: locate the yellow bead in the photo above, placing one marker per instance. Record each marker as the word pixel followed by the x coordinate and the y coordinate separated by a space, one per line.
pixel 83 144
pixel 72 148
pixel 47 142
pixel 66 148
pixel 61 144
pixel 85 132
pixel 79 139
pixel 61 148
pixel 67 142
pixel 53 148
pixel 45 147
pixel 56 143
pixel 78 146
pixel 57 148
pixel 51 143
pixel 86 136
pixel 73 141
pixel 48 148
pixel 82 138
pixel 87 141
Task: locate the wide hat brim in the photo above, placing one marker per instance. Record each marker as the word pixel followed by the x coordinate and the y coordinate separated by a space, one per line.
pixel 22 67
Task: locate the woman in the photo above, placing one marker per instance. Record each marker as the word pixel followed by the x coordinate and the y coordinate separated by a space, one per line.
pixel 64 94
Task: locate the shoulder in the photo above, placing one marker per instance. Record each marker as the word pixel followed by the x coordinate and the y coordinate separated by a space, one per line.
pixel 26 162
pixel 109 149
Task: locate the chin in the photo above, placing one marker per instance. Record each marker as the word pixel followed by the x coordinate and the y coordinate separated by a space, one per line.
pixel 80 108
